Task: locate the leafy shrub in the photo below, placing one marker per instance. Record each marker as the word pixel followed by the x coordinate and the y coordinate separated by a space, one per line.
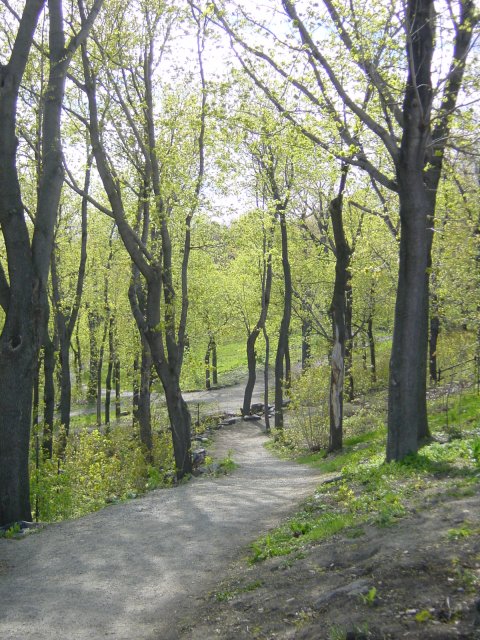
pixel 97 469
pixel 310 410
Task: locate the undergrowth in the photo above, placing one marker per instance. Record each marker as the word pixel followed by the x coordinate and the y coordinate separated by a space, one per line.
pixel 97 469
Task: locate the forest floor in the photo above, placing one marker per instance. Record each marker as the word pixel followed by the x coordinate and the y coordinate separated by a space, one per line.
pixel 175 564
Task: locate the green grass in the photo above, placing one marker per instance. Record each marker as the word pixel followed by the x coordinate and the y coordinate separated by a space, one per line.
pixel 296 532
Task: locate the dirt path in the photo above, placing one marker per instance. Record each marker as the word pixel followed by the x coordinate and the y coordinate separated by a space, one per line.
pixel 135 571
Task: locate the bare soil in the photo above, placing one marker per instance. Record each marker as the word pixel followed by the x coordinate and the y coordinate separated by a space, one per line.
pixel 411 580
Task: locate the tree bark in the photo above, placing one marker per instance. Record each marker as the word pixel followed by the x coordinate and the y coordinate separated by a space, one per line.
pixel 214 362
pixel 208 385
pixel 143 408
pixel 266 373
pixel 371 346
pixel 48 395
pixel 407 408
pixel 285 323
pixel 349 335
pixel 117 381
pixel 338 310
pixel 111 363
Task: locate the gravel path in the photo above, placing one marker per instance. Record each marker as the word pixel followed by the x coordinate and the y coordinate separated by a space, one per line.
pixel 134 571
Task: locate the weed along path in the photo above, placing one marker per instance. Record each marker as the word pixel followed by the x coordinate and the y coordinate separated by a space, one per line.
pixel 136 570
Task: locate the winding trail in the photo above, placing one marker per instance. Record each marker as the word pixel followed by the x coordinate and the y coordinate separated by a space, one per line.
pixel 133 571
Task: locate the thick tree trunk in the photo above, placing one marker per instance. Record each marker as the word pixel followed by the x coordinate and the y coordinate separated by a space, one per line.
pixel 17 358
pixel 407 406
pixel 143 408
pixel 252 370
pixel 407 409
pixel 180 425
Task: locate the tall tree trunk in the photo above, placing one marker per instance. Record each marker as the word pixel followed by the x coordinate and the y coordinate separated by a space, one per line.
pixel 285 323
pixel 407 413
pixel 338 317
pixel 252 371
pixel 265 379
pixel 207 366
pixel 78 361
pixel 349 336
pixel 143 410
pixel 407 407
pixel 288 367
pixel 48 395
pixel 135 391
pixel 180 425
pixel 117 381
pixel 371 345
pixel 111 362
pixel 214 362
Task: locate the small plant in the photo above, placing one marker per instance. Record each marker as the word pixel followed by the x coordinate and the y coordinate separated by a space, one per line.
pixel 11 532
pixel 457 534
pixel 369 598
pixel 227 465
pixel 423 616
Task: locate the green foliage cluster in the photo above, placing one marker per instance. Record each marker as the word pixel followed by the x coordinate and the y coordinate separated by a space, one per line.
pixel 310 416
pixel 97 469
